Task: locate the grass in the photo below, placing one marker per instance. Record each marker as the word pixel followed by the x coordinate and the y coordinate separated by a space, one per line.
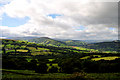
pixel 20 50
pixel 10 51
pixel 104 76
pixel 53 64
pixel 97 55
pixel 28 59
pixel 40 53
pixel 20 71
pixel 43 49
pixel 90 50
pixel 51 59
pixel 32 48
pixel 105 58
pixel 29 74
pixel 86 57
pixel 109 51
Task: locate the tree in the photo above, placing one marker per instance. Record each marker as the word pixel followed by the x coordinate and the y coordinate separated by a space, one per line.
pixel 41 68
pixel 33 64
pixel 70 65
pixel 53 69
pixel 3 49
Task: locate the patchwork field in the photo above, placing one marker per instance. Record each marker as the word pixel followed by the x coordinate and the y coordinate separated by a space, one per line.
pixel 106 58
pixel 29 60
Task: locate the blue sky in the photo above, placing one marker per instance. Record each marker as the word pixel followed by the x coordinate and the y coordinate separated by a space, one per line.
pixel 79 28
pixel 112 28
pixel 13 22
pixel 4 2
pixel 54 15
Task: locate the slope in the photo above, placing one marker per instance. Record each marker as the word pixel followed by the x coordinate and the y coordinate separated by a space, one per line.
pixel 105 46
pixel 49 41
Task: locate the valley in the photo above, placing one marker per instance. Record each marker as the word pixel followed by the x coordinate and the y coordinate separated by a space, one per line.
pixel 45 58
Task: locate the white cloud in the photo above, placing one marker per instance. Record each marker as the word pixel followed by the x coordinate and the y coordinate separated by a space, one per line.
pixel 3 2
pixel 97 17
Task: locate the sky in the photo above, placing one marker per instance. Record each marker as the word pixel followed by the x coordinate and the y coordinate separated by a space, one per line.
pixel 63 19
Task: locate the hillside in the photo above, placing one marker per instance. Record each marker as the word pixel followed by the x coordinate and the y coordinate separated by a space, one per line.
pixel 105 46
pixel 23 48
pixel 75 43
pixel 49 41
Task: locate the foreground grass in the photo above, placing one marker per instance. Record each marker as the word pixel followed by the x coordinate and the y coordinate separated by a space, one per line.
pixel 104 76
pixel 31 75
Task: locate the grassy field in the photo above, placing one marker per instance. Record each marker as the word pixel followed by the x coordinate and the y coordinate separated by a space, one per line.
pixel 20 50
pixel 51 59
pixel 53 64
pixel 106 58
pixel 30 75
pixel 104 76
pixel 86 57
pixel 91 50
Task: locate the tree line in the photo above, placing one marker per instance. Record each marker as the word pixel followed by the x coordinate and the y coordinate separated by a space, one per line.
pixel 68 65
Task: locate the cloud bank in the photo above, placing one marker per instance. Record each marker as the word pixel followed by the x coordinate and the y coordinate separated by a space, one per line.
pixel 96 18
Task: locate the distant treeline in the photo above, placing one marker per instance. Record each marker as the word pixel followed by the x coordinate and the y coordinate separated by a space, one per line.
pixel 67 65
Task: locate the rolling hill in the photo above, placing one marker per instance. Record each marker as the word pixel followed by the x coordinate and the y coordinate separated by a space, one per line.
pixel 75 43
pixel 105 46
pixel 49 41
pixel 102 46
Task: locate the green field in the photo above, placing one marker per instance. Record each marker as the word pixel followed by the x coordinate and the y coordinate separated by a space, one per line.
pixel 86 57
pixel 20 50
pixel 29 74
pixel 105 58
pixel 51 59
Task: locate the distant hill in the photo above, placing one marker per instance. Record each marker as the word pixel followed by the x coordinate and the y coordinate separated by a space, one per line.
pixel 75 43
pixel 46 40
pixel 102 46
pixel 105 46
pixel 95 41
pixel 91 44
pixel 86 41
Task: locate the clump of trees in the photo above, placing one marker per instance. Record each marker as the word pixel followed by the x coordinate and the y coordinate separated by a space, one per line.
pixel 22 63
pixel 76 65
pixel 41 68
pixel 69 65
pixel 53 69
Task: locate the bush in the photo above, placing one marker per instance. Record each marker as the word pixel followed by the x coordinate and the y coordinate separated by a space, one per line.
pixel 41 68
pixel 53 69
